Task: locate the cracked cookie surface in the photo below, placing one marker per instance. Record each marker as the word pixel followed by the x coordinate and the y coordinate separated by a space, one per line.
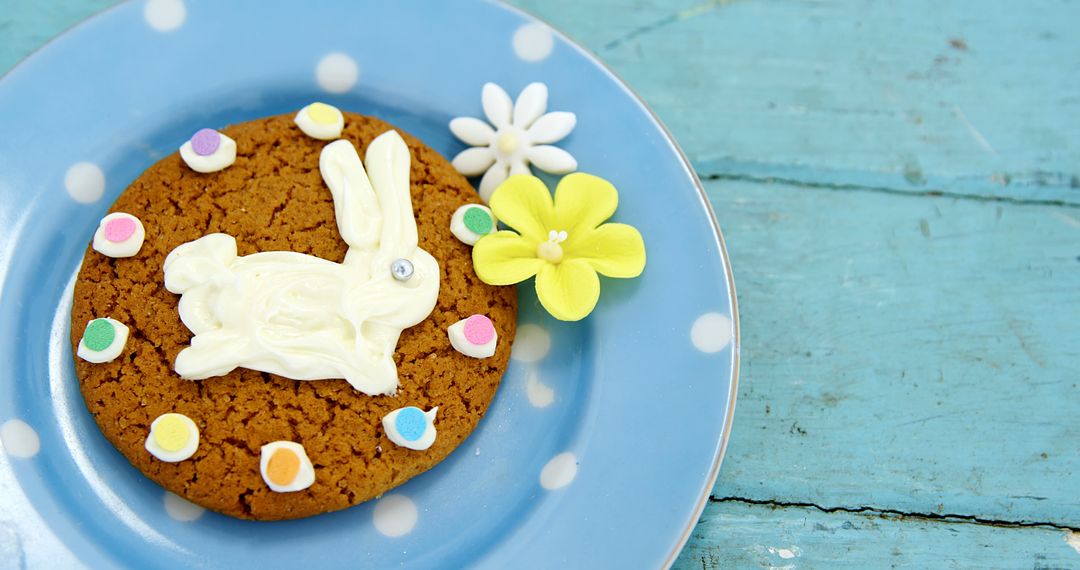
pixel 274 198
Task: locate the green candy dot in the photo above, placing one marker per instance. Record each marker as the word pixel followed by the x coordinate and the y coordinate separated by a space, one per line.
pixel 99 335
pixel 477 221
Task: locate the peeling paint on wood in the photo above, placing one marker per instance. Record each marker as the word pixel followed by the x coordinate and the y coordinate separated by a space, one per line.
pixel 736 535
pixel 910 352
pixel 1072 538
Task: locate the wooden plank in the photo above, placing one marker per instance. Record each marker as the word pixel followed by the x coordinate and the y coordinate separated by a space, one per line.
pixel 902 352
pixel 914 96
pixel 962 101
pixel 24 27
pixel 734 535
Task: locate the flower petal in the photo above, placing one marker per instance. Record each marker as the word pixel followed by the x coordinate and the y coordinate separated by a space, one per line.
pixel 568 290
pixel 473 161
pixel 552 127
pixel 583 202
pixel 505 258
pixel 497 105
pixel 519 166
pixel 614 250
pixel 524 203
pixel 531 103
pixel 492 178
pixel 551 159
pixel 472 131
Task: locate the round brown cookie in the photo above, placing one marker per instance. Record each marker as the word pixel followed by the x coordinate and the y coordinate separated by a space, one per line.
pixel 274 198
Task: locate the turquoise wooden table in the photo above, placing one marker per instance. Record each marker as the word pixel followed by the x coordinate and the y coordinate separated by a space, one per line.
pixel 899 185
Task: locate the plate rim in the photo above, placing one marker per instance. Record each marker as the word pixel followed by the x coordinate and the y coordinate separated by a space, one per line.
pixel 718 236
pixel 30 54
pixel 733 303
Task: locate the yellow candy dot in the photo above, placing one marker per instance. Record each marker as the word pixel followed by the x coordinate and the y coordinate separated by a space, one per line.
pixel 171 432
pixel 322 113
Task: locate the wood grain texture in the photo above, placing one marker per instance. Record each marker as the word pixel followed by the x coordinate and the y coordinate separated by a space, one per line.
pixel 912 96
pixel 26 25
pixel 908 296
pixel 903 352
pixel 739 535
pixel 899 184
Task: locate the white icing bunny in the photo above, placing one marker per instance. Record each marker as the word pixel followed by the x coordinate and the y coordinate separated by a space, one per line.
pixel 304 317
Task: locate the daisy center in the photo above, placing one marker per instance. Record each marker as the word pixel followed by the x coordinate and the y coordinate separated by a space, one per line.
pixel 507 143
pixel 550 250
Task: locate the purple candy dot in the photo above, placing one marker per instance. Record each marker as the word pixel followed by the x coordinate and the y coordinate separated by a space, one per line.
pixel 119 229
pixel 205 142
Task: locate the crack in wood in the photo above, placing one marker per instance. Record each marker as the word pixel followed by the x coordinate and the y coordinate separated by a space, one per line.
pixel 665 21
pixel 884 190
pixel 895 513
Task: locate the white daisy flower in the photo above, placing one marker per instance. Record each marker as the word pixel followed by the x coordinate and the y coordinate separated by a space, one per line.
pixel 522 135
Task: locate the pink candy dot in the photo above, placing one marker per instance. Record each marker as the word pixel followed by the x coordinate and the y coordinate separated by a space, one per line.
pixel 205 142
pixel 119 229
pixel 479 330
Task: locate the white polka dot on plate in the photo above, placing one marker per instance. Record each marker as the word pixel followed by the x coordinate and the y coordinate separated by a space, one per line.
pixel 336 72
pixel 85 182
pixel 533 42
pixel 540 395
pixel 531 344
pixel 165 15
pixel 711 332
pixel 182 509
pixel 395 515
pixel 559 472
pixel 19 439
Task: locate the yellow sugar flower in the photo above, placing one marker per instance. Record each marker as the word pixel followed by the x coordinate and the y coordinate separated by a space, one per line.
pixel 564 242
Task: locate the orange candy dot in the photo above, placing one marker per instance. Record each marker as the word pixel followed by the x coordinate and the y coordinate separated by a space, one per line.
pixel 283 467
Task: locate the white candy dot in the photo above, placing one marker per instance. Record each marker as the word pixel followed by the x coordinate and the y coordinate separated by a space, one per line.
pixel 336 73
pixel 165 15
pixel 531 344
pixel 533 42
pixel 540 395
pixel 182 509
pixel 711 332
pixel 395 515
pixel 19 439
pixel 85 182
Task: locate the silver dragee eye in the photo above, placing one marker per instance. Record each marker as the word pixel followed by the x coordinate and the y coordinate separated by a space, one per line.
pixel 401 269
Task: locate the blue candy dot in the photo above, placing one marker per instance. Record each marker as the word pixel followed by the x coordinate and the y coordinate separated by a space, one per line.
pixel 411 423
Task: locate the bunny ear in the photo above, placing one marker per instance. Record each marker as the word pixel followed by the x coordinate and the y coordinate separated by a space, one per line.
pixel 358 214
pixel 387 162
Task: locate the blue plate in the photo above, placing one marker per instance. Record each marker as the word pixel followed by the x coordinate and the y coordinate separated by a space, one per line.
pixel 601 446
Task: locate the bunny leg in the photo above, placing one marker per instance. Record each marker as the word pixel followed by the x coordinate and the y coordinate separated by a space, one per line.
pixel 196 262
pixel 212 353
